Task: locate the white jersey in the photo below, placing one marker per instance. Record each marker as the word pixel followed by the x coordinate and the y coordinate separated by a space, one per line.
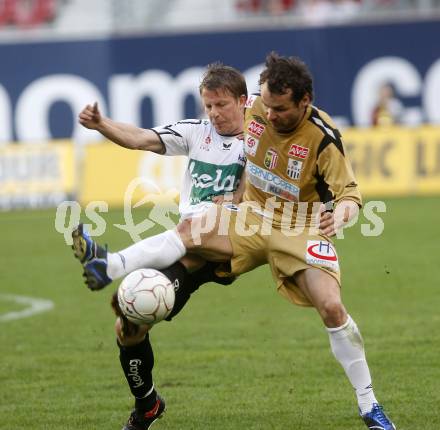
pixel 215 162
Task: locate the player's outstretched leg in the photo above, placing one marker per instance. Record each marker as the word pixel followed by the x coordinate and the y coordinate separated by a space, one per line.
pixel 102 267
pixel 137 362
pixel 93 257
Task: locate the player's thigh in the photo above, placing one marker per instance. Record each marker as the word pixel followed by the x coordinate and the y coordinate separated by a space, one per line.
pixel 204 236
pixel 249 246
pixel 318 286
pixel 290 258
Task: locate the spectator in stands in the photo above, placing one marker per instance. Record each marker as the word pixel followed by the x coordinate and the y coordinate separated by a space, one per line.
pixel 265 7
pixel 328 11
pixel 388 109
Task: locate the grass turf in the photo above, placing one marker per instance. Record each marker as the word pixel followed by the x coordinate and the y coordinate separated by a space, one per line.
pixel 237 357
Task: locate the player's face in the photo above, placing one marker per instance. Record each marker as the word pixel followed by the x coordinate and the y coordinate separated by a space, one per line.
pixel 282 112
pixel 224 111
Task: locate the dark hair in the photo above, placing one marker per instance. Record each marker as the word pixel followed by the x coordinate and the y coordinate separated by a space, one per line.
pixel 287 73
pixel 218 76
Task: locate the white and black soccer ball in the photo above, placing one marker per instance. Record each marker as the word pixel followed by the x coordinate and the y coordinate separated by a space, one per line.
pixel 146 296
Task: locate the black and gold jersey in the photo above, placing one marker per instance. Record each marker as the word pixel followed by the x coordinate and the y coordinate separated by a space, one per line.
pixel 307 165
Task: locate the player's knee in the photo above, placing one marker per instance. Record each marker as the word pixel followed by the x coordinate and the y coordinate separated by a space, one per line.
pixel 129 334
pixel 193 233
pixel 184 231
pixel 333 313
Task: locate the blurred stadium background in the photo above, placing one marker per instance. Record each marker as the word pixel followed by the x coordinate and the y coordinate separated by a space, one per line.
pixel 376 65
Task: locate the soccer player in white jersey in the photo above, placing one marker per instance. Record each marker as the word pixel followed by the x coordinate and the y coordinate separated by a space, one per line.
pixel 216 161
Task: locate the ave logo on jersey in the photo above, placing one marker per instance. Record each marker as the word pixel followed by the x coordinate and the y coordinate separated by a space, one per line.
pixel 250 101
pixel 322 253
pixel 270 159
pixel 294 168
pixel 255 128
pixel 251 145
pixel 298 151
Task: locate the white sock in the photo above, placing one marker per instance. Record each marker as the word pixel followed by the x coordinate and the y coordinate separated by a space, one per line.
pixel 156 252
pixel 348 348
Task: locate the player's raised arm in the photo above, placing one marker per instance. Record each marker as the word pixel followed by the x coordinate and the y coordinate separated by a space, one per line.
pixel 125 135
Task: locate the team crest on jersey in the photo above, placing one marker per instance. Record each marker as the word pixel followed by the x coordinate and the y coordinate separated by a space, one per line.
pixel 256 129
pixel 270 159
pixel 251 145
pixel 259 119
pixel 322 253
pixel 298 151
pixel 294 168
pixel 206 143
pixel 250 101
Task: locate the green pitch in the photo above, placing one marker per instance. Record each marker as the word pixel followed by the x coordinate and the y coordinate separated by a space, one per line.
pixel 237 357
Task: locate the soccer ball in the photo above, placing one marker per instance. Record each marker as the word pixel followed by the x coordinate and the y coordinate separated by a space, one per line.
pixel 146 296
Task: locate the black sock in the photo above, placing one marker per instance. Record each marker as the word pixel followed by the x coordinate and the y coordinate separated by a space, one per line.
pixel 183 286
pixel 137 363
pixel 213 272
pixel 187 283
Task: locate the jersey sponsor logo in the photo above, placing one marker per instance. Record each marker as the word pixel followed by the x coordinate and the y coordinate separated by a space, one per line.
pixel 271 183
pixel 250 101
pixel 294 168
pixel 322 253
pixel 270 159
pixel 298 151
pixel 255 128
pixel 251 145
pixel 209 180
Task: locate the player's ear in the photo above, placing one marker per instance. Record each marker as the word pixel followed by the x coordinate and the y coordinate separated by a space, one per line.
pixel 242 100
pixel 305 101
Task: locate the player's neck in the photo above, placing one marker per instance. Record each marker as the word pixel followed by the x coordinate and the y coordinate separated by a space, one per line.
pixel 233 133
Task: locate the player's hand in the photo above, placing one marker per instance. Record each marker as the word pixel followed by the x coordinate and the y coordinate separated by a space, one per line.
pixel 90 117
pixel 224 198
pixel 237 197
pixel 327 224
pixel 331 223
pixel 218 200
